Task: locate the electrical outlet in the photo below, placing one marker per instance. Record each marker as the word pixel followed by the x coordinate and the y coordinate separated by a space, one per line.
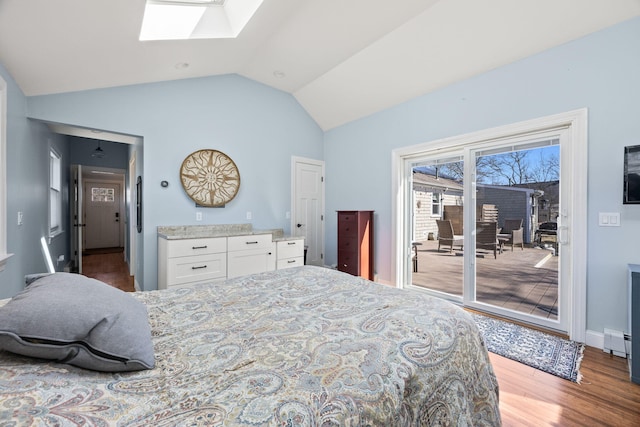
pixel 287 215
pixel 20 218
pixel 198 216
pixel 249 216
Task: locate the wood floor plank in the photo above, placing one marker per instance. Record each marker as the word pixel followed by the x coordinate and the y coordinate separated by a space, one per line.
pixel 605 397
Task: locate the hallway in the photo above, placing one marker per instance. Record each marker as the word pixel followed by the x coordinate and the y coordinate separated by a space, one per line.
pixel 108 266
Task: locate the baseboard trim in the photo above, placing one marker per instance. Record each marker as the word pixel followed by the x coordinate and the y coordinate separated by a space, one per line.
pixel 136 286
pixel 594 339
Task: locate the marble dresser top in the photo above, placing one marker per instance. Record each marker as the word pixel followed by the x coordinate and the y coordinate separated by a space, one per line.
pixel 177 232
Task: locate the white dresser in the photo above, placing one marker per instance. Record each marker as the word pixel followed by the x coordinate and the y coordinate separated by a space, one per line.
pixel 290 253
pixel 196 254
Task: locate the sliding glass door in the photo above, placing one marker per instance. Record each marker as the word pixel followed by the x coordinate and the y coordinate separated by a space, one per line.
pixel 485 223
pixel 517 205
pixel 437 240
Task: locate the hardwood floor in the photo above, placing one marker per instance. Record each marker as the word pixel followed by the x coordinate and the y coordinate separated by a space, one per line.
pixel 528 397
pixel 108 267
pixel 605 397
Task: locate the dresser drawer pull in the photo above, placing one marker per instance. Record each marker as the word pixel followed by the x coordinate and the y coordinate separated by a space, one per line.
pixel 291 243
pixel 252 243
pixel 199 247
pixel 199 267
pixel 291 261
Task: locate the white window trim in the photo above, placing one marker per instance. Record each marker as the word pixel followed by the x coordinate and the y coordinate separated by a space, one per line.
pixel 59 229
pixel 4 256
pixel 439 204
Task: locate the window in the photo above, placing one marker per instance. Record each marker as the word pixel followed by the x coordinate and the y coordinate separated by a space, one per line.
pixel 99 194
pixel 55 194
pixel 195 19
pixel 435 204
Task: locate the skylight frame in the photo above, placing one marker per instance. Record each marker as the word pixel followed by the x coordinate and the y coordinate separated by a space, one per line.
pixel 196 19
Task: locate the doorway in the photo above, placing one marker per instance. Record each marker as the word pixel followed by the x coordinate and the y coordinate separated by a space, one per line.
pixel 97 212
pixel 479 254
pixel 307 200
pixel 103 209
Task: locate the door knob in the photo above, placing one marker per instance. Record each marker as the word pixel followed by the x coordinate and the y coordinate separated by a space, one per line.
pixel 299 225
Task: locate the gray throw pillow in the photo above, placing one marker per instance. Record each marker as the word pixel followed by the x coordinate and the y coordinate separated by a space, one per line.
pixel 70 318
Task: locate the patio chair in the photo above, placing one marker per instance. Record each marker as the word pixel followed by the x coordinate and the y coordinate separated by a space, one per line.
pixel 512 233
pixel 446 236
pixel 487 236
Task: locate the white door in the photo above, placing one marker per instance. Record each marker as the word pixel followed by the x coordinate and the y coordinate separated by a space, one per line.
pixel 307 219
pixel 102 215
pixel 76 217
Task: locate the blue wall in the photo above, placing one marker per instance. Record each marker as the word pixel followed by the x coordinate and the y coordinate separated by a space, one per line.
pixel 600 72
pixel 259 127
pixel 27 164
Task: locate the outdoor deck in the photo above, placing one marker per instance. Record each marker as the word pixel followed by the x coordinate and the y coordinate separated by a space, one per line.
pixel 523 280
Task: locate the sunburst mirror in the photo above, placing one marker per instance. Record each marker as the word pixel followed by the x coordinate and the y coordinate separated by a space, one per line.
pixel 210 177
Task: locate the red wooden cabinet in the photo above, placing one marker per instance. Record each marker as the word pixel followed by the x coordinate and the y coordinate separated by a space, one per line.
pixel 355 243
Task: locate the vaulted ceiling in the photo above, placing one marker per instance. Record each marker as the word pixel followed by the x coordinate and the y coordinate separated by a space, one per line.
pixel 341 59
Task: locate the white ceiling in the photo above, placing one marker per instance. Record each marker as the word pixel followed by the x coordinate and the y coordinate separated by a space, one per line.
pixel 341 59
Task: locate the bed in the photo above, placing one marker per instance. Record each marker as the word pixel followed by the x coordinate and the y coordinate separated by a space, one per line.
pixel 305 346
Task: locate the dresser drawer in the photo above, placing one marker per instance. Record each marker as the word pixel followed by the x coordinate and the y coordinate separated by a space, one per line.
pixel 347 225
pixel 290 262
pixel 348 262
pixel 348 243
pixel 290 249
pixel 249 242
pixel 195 247
pixel 199 268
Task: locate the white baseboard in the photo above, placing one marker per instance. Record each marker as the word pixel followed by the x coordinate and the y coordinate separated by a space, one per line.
pixel 136 285
pixel 594 339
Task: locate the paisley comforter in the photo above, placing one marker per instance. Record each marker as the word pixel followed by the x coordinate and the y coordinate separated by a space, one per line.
pixel 305 346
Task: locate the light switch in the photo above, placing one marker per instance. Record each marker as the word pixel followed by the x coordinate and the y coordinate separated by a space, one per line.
pixel 609 219
pixel 20 217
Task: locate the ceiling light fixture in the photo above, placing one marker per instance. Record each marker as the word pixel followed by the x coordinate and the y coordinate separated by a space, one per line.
pixel 98 153
pixel 196 19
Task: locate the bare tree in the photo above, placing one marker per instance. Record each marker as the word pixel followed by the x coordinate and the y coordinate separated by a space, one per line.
pixel 512 168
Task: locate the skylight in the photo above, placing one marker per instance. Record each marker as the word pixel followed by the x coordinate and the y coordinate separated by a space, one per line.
pixel 196 19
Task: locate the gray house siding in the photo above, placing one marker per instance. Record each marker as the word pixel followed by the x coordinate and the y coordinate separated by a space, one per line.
pixel 512 203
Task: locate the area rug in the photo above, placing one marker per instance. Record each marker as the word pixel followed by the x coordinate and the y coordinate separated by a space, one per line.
pixel 539 350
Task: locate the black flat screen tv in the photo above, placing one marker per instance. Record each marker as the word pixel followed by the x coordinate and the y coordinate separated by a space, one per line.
pixel 631 175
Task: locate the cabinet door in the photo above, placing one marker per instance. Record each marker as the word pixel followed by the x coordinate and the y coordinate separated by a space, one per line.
pixel 251 261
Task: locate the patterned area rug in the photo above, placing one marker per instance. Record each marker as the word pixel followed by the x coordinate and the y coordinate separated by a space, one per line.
pixel 539 350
